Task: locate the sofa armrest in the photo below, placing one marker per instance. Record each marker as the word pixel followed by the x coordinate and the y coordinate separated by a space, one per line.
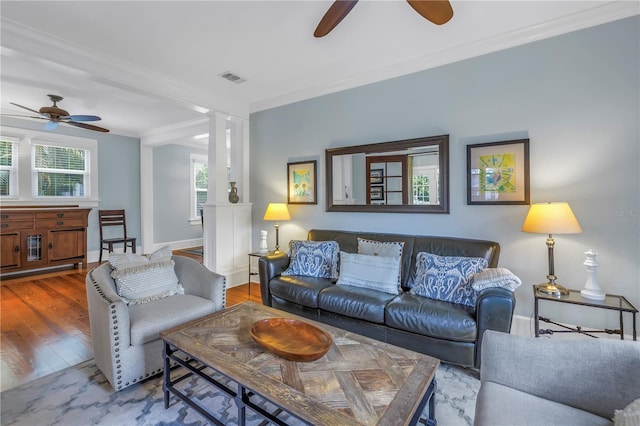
pixel 200 281
pixel 494 311
pixel 269 266
pixel 594 375
pixel 108 318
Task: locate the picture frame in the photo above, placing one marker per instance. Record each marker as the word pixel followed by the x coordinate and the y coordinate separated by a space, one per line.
pixel 376 193
pixel 376 176
pixel 302 182
pixel 498 173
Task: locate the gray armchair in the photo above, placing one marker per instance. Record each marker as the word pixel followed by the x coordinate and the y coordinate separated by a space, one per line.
pixel 126 342
pixel 539 381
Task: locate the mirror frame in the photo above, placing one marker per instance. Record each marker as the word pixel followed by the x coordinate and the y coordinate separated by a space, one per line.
pixel 441 141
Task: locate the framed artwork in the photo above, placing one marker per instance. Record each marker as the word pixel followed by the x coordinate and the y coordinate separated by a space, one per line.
pixel 375 176
pixel 498 172
pixel 302 183
pixel 377 192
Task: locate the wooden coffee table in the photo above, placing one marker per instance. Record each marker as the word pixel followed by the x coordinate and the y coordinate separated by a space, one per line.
pixel 359 381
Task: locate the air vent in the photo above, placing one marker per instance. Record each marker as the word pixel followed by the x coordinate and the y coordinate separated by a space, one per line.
pixel 232 77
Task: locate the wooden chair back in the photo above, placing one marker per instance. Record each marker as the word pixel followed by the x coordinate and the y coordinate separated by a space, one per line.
pixel 112 218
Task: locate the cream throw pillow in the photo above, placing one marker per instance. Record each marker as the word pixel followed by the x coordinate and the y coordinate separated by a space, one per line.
pixel 375 272
pixel 143 279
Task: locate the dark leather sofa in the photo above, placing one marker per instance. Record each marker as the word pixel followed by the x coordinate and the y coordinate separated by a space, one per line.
pixel 448 331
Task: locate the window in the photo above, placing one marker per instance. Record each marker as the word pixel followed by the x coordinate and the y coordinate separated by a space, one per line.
pixel 60 171
pixel 425 186
pixel 41 167
pixel 199 184
pixel 9 166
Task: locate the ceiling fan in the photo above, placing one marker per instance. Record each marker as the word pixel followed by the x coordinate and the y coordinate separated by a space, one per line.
pixel 55 115
pixel 437 11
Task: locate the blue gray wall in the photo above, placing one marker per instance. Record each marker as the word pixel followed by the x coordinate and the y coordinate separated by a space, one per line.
pixel 171 198
pixel 575 96
pixel 118 175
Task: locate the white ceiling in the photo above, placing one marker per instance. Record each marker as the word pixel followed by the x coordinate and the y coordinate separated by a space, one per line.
pixel 143 65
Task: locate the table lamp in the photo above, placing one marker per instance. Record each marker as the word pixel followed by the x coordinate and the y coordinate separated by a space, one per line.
pixel 277 212
pixel 551 218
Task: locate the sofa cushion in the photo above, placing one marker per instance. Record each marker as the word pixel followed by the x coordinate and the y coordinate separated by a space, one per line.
pixel 374 272
pixel 317 259
pixel 149 319
pixel 501 405
pixel 447 278
pixel 355 302
pixel 432 317
pixel 300 290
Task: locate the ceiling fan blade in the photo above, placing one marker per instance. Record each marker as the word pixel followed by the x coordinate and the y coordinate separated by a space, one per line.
pixel 336 13
pixel 80 118
pixel 87 126
pixel 24 107
pixel 437 11
pixel 51 125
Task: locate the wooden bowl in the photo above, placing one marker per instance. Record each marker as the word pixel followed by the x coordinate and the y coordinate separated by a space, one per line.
pixel 291 339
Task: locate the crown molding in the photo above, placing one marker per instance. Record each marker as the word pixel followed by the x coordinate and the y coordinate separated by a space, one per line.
pixel 18 39
pixel 597 15
pixel 182 133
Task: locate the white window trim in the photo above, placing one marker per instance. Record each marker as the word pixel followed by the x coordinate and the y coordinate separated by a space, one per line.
pixel 27 138
pixel 194 158
pixel 14 169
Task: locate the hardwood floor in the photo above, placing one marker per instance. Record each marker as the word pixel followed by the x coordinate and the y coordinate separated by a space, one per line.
pixel 44 323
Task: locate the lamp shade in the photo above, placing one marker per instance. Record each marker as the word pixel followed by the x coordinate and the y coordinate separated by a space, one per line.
pixel 277 211
pixel 551 218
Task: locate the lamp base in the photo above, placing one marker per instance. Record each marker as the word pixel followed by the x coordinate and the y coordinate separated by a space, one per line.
pixel 552 289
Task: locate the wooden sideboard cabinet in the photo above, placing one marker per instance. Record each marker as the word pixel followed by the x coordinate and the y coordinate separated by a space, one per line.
pixel 42 237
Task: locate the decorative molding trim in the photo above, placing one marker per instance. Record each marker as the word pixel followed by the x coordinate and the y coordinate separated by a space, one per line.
pixel 18 39
pixel 177 132
pixel 598 15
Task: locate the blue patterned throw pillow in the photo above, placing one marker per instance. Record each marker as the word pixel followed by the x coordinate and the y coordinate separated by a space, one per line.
pixel 447 278
pixel 313 259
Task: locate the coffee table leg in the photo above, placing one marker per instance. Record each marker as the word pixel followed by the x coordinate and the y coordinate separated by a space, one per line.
pixel 431 421
pixel 166 374
pixel 242 409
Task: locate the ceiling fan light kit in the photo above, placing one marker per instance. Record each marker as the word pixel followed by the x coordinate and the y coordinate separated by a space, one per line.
pixel 436 11
pixel 56 115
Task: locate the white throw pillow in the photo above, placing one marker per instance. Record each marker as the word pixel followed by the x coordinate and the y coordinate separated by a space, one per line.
pixel 142 279
pixel 380 248
pixel 375 272
pixel 385 249
pixel 495 277
pixel 630 416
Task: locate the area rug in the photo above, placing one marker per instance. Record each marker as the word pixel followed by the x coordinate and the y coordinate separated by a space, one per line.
pixel 81 395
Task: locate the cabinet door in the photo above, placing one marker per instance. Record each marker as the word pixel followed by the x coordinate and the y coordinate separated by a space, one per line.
pixel 34 248
pixel 66 244
pixel 10 250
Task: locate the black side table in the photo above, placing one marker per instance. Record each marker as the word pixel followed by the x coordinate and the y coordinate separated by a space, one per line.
pixel 251 274
pixel 611 302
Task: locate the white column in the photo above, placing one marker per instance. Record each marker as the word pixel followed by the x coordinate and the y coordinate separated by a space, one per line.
pixel 240 156
pixel 217 191
pixel 227 226
pixel 146 197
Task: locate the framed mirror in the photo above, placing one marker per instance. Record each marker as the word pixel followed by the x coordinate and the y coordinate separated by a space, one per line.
pixel 405 176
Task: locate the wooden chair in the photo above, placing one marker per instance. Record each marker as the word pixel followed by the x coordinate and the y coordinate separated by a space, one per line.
pixel 114 218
